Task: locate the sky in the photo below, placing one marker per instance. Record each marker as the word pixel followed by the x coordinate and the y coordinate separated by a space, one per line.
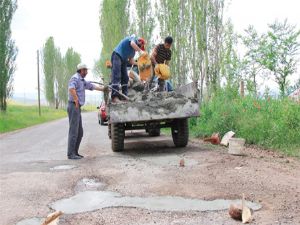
pixel 71 23
pixel 76 24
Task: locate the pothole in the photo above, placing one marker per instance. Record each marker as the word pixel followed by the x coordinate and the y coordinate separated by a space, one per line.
pixel 94 200
pixel 63 167
pixel 169 160
pixel 31 221
pixel 89 184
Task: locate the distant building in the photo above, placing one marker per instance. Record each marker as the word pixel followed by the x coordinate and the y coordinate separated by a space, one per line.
pixel 295 95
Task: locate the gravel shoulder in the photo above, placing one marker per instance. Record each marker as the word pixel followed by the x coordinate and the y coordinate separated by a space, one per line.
pixel 148 167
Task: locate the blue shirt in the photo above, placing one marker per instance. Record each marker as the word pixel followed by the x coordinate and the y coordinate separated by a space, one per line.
pixel 79 84
pixel 124 48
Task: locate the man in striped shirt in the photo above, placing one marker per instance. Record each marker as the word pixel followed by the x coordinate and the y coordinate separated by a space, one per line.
pixel 162 54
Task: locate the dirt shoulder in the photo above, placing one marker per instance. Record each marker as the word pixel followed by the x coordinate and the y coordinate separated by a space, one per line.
pixel 148 167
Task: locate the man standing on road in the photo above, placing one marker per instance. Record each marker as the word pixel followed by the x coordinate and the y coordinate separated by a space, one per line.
pixel 122 54
pixel 77 87
pixel 162 54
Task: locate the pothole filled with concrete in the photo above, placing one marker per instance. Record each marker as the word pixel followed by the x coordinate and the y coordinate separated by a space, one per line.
pixel 94 200
pixel 89 184
pixel 169 160
pixel 31 221
pixel 63 167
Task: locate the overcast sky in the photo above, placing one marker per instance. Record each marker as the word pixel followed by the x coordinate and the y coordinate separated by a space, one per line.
pixel 71 23
pixel 76 24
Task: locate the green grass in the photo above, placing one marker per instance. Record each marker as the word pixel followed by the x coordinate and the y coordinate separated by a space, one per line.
pixel 269 123
pixel 20 116
pixel 89 108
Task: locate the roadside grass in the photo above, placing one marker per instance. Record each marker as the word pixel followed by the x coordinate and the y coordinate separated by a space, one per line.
pixel 21 116
pixel 89 108
pixel 268 123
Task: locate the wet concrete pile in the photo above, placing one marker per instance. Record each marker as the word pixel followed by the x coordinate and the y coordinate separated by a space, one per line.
pixel 145 106
pixel 156 96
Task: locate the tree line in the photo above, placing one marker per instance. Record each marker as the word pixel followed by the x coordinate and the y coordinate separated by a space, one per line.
pixel 205 49
pixel 58 69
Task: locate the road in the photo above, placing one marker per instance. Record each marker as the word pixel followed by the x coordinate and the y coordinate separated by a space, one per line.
pixel 143 185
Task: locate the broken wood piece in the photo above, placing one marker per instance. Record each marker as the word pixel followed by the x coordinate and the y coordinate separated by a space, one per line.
pixel 52 218
pixel 241 212
pixel 246 213
pixel 226 137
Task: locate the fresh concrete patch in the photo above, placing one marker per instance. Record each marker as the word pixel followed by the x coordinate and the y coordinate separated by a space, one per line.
pixel 63 167
pixel 93 200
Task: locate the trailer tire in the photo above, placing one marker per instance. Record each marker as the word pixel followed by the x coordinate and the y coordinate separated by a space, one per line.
pixel 117 137
pixel 180 132
pixel 109 130
pixel 154 132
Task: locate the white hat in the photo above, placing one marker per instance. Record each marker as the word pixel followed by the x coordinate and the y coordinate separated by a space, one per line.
pixel 81 66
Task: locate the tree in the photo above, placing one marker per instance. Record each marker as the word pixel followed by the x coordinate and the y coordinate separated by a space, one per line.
pixel 49 52
pixel 58 78
pixel 114 25
pixel 58 70
pixel 230 63
pixel 8 51
pixel 54 73
pixel 199 53
pixel 279 49
pixel 252 66
pixel 145 20
pixel 70 61
pixel 173 21
pixel 214 39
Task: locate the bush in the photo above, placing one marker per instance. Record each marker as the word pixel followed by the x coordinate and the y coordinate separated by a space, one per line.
pixel 270 123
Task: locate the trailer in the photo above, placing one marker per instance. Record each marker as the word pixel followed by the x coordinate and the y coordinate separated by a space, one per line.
pixel 151 111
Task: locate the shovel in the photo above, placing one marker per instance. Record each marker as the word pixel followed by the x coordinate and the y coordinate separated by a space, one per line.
pixel 110 87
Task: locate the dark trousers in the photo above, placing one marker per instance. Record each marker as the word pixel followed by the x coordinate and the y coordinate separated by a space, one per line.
pixel 75 129
pixel 119 75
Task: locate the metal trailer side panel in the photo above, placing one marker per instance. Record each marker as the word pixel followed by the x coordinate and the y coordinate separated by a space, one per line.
pixel 153 110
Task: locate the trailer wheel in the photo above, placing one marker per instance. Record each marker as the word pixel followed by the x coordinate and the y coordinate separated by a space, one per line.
pixel 117 137
pixel 109 130
pixel 180 132
pixel 154 132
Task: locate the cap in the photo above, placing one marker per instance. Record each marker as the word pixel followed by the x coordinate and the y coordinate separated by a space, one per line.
pixel 81 66
pixel 142 43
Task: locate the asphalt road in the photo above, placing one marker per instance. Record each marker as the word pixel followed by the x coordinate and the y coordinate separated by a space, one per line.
pixel 149 167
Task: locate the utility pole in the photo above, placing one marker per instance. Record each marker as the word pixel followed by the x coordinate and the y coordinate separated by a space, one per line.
pixel 38 77
pixel 242 89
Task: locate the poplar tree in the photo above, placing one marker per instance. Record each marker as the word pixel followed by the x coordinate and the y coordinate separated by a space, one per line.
pixel 145 21
pixel 49 54
pixel 70 61
pixel 114 25
pixel 8 51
